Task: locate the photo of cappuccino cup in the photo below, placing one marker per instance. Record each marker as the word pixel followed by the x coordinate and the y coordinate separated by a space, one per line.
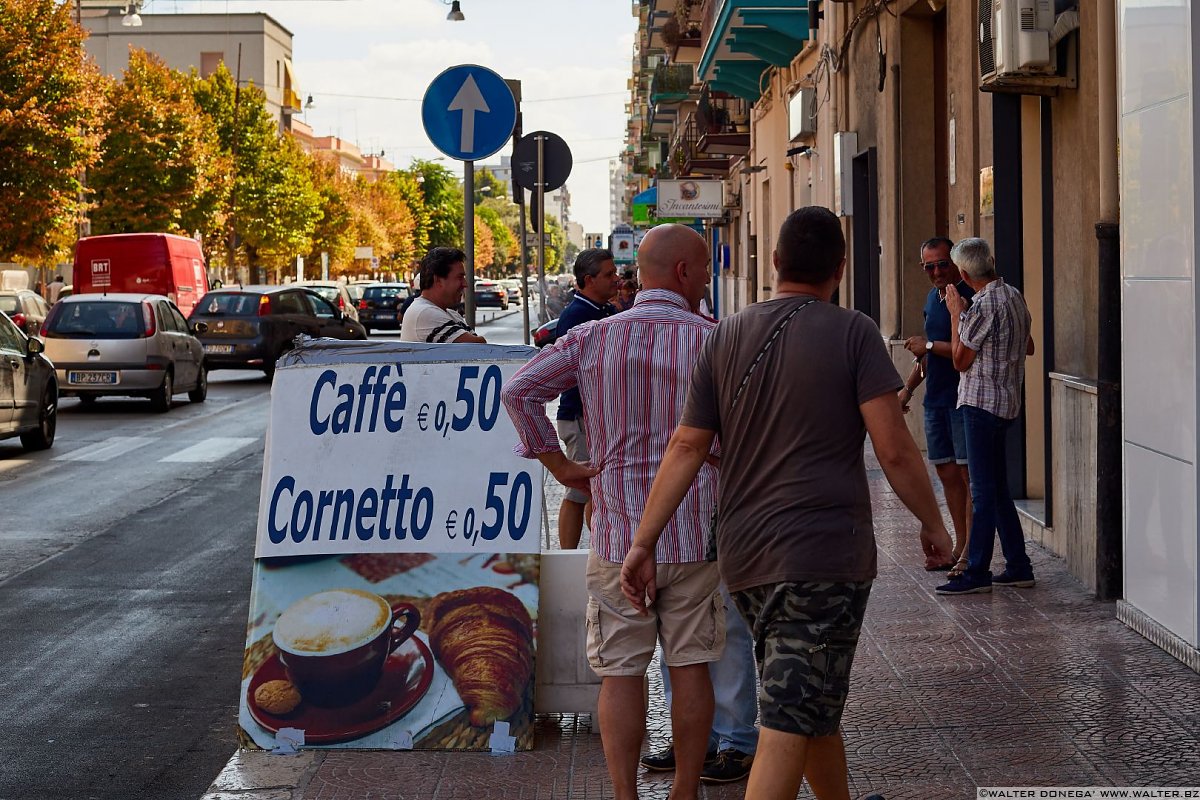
pixel 333 644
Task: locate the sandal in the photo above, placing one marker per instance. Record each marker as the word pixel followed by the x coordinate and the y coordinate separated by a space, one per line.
pixel 958 569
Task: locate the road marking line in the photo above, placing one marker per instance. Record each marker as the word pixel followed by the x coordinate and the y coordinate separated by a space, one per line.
pixel 213 449
pixel 106 450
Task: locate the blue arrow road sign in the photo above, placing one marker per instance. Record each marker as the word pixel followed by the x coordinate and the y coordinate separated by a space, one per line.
pixel 468 112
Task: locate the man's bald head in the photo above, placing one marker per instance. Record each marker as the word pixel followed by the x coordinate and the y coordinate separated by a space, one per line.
pixel 663 247
pixel 674 257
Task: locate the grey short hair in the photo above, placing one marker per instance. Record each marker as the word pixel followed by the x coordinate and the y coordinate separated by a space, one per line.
pixel 974 257
pixel 588 263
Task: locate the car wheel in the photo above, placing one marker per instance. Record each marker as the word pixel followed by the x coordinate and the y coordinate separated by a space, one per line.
pixel 42 437
pixel 199 394
pixel 161 400
pixel 269 368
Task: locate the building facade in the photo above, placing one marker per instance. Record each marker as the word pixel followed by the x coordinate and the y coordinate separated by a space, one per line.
pixel 920 118
pixel 202 42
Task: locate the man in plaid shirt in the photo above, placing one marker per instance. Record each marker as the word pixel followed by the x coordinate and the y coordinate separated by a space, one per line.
pixel 989 342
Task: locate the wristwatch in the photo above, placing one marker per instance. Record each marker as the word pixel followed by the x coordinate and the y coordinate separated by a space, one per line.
pixel 929 346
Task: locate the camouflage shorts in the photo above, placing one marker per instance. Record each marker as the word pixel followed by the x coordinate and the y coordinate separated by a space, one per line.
pixel 805 635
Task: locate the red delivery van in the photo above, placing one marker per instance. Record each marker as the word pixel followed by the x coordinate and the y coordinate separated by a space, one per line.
pixel 149 263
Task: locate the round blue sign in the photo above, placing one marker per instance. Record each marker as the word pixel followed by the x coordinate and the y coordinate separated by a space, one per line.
pixel 468 112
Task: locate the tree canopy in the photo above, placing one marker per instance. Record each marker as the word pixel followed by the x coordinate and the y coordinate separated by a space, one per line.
pixel 49 97
pixel 164 150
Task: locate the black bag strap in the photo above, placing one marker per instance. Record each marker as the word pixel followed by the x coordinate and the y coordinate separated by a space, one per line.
pixel 766 348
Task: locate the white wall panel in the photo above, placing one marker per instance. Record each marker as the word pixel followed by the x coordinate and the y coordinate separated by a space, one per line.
pixel 1160 539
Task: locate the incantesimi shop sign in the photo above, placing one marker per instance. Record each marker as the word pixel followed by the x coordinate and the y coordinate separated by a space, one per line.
pixel 690 198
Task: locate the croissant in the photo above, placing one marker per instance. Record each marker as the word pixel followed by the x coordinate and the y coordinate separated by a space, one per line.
pixel 484 639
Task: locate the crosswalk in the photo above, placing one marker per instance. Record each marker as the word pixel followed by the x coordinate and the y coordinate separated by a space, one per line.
pixel 205 451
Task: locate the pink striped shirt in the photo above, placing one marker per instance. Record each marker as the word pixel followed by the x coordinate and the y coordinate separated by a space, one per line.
pixel 633 371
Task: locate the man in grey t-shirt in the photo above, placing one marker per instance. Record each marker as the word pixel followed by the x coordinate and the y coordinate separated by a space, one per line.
pixel 792 385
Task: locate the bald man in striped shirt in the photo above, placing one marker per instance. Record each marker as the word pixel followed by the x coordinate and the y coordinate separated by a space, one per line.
pixel 632 371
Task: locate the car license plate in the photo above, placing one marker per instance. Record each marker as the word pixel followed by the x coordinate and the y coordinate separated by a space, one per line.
pixel 104 378
pixel 218 348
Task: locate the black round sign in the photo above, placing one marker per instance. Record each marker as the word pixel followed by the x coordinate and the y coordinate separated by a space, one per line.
pixel 555 171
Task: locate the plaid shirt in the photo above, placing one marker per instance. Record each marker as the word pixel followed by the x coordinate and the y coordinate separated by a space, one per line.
pixel 996 327
pixel 633 372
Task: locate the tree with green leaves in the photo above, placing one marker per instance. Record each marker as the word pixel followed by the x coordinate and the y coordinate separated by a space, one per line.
pixel 488 185
pixel 414 198
pixel 274 206
pixel 161 168
pixel 49 99
pixel 443 201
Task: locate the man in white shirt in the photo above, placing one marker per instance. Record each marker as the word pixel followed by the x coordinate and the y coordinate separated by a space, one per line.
pixel 432 316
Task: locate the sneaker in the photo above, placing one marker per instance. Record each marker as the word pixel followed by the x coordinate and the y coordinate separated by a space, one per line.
pixel 875 797
pixel 1006 578
pixel 664 760
pixel 729 766
pixel 963 585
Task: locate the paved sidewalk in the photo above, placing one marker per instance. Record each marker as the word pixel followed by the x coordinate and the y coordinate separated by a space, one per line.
pixel 1024 687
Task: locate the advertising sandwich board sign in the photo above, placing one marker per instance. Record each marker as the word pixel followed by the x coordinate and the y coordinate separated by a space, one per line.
pixel 396 570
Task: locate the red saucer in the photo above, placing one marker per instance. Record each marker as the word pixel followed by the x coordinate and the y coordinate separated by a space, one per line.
pixel 407 674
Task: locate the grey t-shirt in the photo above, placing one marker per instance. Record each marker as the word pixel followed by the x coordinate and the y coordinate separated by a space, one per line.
pixel 794 503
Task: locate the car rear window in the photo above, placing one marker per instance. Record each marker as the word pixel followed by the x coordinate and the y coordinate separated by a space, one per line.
pixel 228 304
pixel 381 292
pixel 9 304
pixel 108 320
pixel 330 293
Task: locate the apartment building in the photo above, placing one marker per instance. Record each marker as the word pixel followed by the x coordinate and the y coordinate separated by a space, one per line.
pixel 201 42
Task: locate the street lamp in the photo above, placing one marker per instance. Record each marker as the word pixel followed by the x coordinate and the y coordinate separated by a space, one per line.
pixel 455 14
pixel 132 19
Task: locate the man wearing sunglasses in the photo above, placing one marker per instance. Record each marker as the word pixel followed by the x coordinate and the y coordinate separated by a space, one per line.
pixel 945 436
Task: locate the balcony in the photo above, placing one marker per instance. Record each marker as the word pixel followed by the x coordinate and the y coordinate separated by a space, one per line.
pixel 724 126
pixel 672 83
pixel 745 38
pixel 687 158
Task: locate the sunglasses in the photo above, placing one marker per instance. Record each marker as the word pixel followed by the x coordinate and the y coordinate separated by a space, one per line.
pixel 930 266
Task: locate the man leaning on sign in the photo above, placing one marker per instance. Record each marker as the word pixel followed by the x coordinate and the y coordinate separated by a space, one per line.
pixel 432 316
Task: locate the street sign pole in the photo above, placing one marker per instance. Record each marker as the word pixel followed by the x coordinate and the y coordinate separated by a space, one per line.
pixel 518 194
pixel 540 224
pixel 468 112
pixel 527 296
pixel 469 238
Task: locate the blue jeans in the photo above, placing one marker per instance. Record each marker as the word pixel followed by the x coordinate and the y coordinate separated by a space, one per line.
pixel 735 691
pixel 992 506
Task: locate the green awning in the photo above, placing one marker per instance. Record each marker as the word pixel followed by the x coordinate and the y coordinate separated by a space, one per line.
pixel 748 38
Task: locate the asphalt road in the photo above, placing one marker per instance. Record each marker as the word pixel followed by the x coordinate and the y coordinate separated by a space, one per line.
pixel 125 563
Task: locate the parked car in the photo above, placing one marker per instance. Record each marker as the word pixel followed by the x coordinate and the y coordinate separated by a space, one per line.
pixel 26 308
pixel 513 287
pixel 335 292
pixel 490 293
pixel 545 334
pixel 380 305
pixel 133 345
pixel 142 263
pixel 29 401
pixel 251 327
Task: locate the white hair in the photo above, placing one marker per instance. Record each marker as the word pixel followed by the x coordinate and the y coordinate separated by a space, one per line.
pixel 974 257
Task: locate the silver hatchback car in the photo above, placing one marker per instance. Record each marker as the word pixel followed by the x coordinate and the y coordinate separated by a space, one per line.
pixel 125 344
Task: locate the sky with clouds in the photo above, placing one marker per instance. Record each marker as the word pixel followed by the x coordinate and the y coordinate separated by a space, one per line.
pixel 575 49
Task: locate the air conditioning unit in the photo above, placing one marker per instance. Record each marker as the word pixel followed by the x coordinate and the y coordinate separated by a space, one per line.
pixel 731 193
pixel 1014 39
